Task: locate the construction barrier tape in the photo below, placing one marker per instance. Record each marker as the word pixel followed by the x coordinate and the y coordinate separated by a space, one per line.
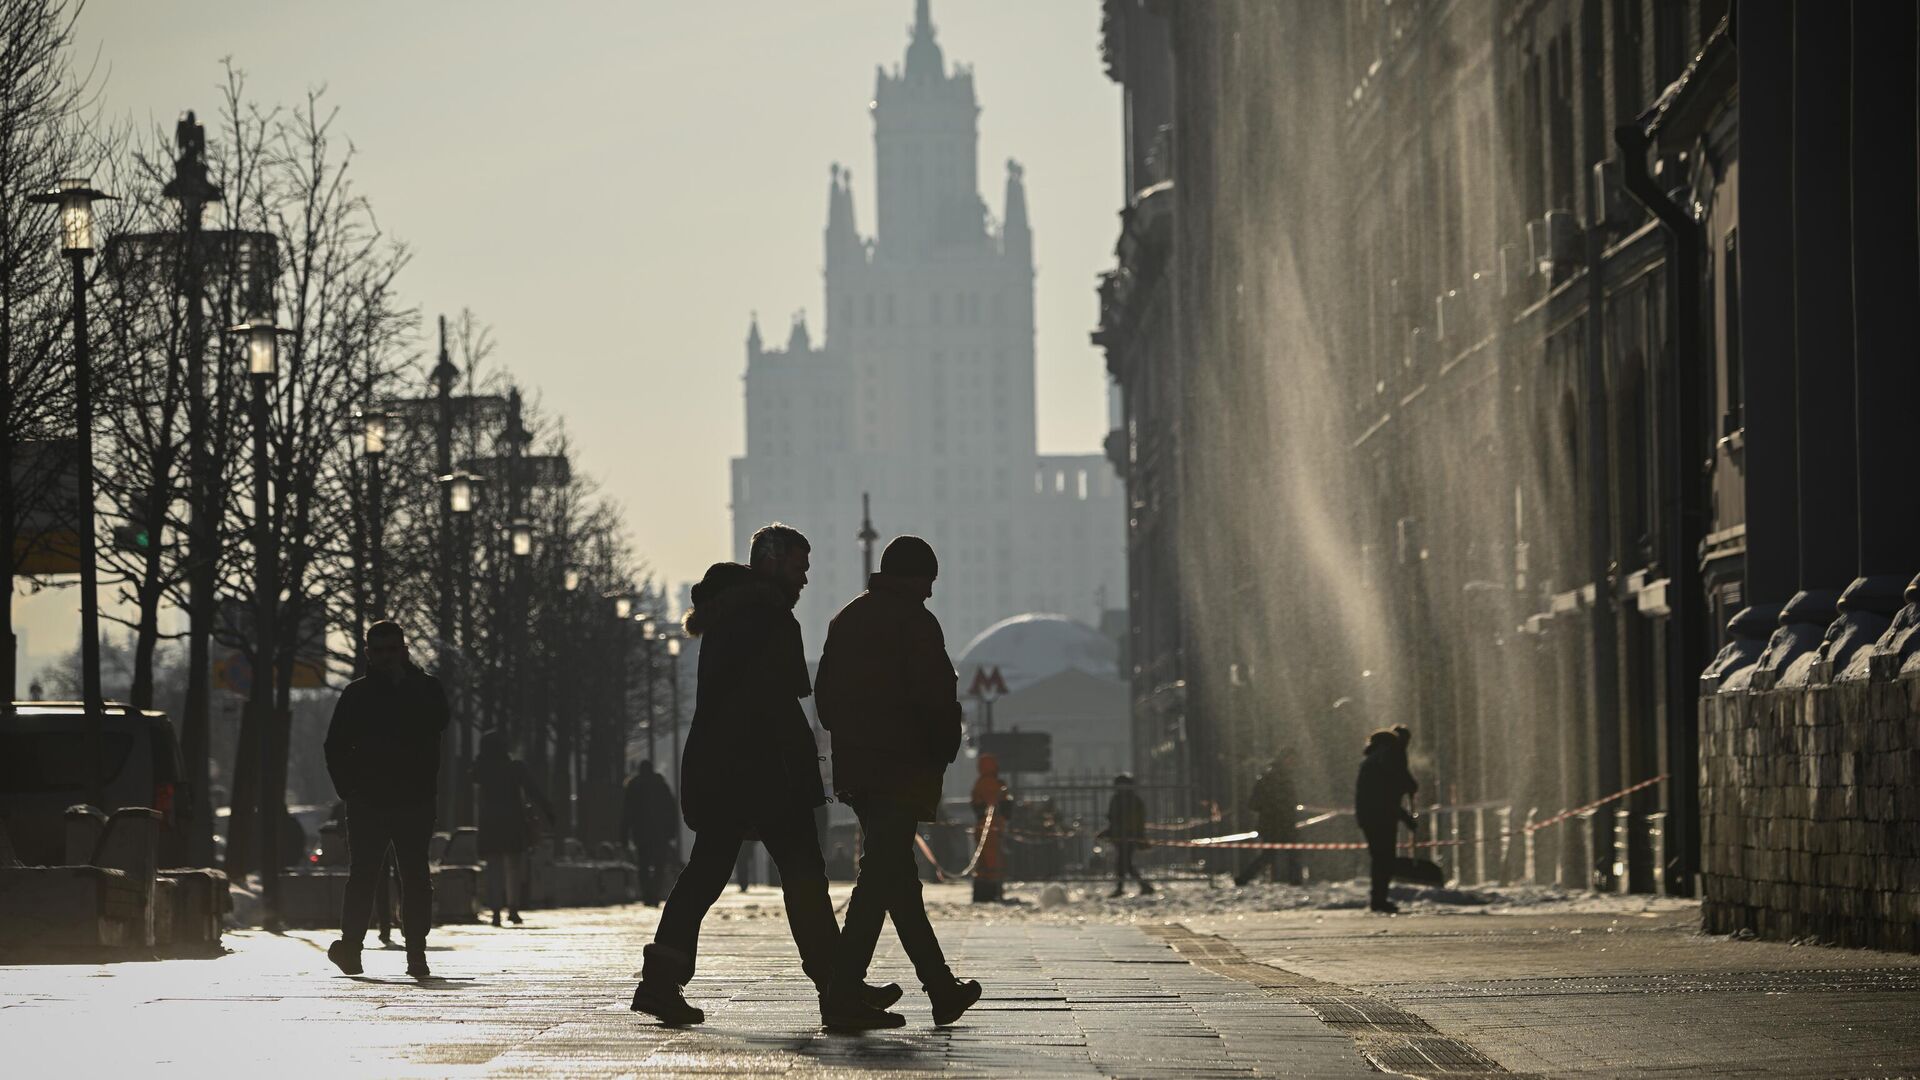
pixel 1595 805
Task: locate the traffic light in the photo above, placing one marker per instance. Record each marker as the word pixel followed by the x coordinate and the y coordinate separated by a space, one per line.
pixel 135 536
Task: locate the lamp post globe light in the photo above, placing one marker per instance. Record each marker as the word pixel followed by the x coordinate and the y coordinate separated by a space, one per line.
pixel 571 580
pixel 74 200
pixel 462 489
pixel 521 534
pixel 263 364
pixel 622 605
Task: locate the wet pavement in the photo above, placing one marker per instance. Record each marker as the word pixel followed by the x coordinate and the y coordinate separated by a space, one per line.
pixel 1180 985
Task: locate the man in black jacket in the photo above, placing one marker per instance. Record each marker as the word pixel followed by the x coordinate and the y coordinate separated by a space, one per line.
pixel 1384 780
pixel 750 767
pixel 886 690
pixel 383 753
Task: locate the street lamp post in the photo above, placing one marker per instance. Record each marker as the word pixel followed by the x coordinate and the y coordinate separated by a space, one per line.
pixel 75 199
pixel 867 537
pixel 444 376
pixel 458 492
pixel 263 348
pixel 673 672
pixel 647 642
pixel 611 761
pixel 374 443
pixel 520 546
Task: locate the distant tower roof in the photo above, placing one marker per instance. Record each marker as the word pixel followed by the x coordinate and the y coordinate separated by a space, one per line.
pixel 799 342
pixel 1016 233
pixel 753 334
pixel 924 59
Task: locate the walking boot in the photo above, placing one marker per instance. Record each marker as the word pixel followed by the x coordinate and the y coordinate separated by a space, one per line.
pixel 848 1012
pixel 513 916
pixel 664 971
pixel 417 961
pixel 345 957
pixel 950 999
pixel 1118 891
pixel 1146 888
pixel 496 917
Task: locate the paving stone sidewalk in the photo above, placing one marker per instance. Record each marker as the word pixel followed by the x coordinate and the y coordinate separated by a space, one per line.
pixel 1570 994
pixel 551 999
pixel 1143 988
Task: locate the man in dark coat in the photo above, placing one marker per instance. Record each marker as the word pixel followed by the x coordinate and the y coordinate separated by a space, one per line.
pixel 750 766
pixel 651 822
pixel 383 753
pixel 1383 782
pixel 1273 805
pixel 886 690
pixel 1126 827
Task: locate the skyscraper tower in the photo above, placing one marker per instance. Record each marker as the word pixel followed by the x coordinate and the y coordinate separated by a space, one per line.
pixel 922 390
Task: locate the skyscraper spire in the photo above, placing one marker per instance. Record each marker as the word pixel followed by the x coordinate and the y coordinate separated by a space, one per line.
pixel 925 62
pixel 1016 234
pixel 753 335
pixel 843 236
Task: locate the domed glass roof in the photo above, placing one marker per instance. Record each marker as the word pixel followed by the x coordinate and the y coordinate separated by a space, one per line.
pixel 1028 648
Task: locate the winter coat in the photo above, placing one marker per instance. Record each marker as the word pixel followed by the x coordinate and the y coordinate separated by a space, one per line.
pixel 383 745
pixel 1272 802
pixel 887 691
pixel 505 790
pixel 648 812
pixel 1126 816
pixel 1383 781
pixel 750 754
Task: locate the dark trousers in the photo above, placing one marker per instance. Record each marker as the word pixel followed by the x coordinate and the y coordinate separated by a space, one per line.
pixel 651 857
pixel 1123 867
pixel 803 879
pixel 371 829
pixel 888 886
pixel 1283 865
pixel 1380 854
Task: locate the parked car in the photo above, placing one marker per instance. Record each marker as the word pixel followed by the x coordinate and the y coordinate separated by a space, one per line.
pixel 44 770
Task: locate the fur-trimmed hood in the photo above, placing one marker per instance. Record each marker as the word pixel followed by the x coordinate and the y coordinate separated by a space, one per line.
pixel 728 589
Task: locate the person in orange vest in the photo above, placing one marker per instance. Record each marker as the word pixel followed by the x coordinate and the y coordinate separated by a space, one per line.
pixel 989 875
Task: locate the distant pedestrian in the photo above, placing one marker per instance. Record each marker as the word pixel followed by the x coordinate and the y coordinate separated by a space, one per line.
pixel 508 795
pixel 887 691
pixel 1273 806
pixel 1126 828
pixel 750 766
pixel 383 754
pixel 650 818
pixel 1383 782
pixel 990 803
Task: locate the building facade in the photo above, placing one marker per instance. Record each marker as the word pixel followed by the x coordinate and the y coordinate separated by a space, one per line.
pixel 1489 367
pixel 921 393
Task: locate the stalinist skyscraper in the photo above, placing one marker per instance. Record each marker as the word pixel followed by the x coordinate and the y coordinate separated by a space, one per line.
pixel 922 389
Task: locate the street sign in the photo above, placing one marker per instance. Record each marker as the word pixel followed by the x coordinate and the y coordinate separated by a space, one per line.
pixel 1019 751
pixel 46 500
pixel 987 681
pixel 233 628
pixel 536 470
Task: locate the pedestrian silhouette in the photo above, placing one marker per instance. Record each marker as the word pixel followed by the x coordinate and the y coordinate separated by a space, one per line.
pixel 1273 805
pixel 505 808
pixel 383 754
pixel 1383 782
pixel 989 792
pixel 651 820
pixel 750 767
pixel 1126 827
pixel 887 691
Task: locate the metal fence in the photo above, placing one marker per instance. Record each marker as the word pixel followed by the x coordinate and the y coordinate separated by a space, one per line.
pixel 1053 833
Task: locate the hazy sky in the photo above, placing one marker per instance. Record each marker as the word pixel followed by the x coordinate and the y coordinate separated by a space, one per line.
pixel 615 185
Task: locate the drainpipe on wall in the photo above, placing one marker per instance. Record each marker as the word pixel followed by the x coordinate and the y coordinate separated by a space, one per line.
pixel 1684 463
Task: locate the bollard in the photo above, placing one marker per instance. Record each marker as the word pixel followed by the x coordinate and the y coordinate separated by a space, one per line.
pixel 1657 843
pixel 1527 844
pixel 1453 849
pixel 1479 845
pixel 1505 816
pixel 1585 880
pixel 1622 844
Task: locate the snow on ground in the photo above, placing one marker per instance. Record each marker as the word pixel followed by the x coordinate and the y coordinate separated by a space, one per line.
pixel 1082 900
